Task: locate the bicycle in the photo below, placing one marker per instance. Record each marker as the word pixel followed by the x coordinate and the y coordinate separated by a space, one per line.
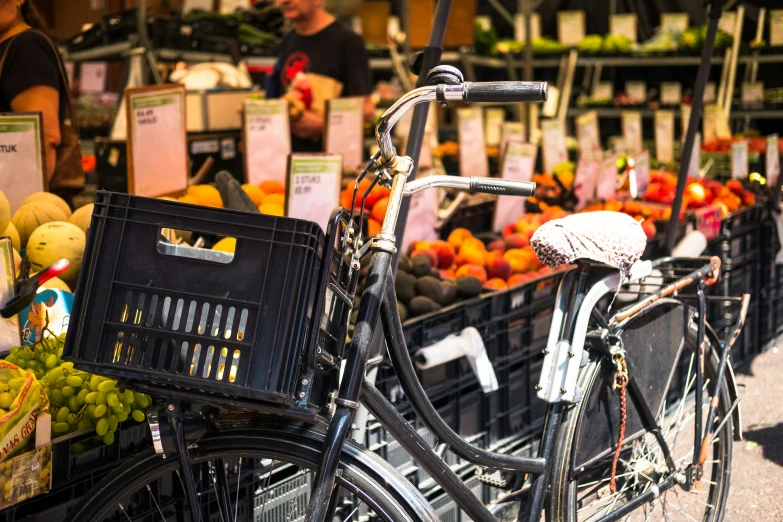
pixel 219 432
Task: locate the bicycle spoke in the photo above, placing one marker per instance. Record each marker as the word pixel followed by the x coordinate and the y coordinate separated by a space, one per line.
pixel 162 516
pixel 352 512
pixel 266 491
pixel 239 478
pixel 125 513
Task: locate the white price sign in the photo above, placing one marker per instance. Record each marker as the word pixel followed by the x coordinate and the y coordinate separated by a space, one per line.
pixel 685 117
pixel 727 22
pixel 587 133
pixel 267 140
pixel 585 179
pixel 674 22
pixel 553 144
pixel 603 91
pixel 518 165
pixel 345 130
pixel 93 77
pixel 570 27
pixel 739 159
pixel 313 188
pixel 511 130
pixel 716 125
pixel 473 159
pixel 664 136
pixel 422 217
pixel 671 93
pixel 493 125
pixel 636 91
pixel 753 92
pixel 772 157
pixel 693 166
pixel 22 156
pixel 607 179
pixel 776 27
pixel 623 25
pixel 9 328
pixel 641 169
pixel 519 27
pixel 157 140
pixel 632 131
pixel 709 93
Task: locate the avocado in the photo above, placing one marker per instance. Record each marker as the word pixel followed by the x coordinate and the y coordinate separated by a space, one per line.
pixel 468 286
pixel 488 237
pixel 405 286
pixel 402 310
pixel 421 305
pixel 448 293
pixel 428 286
pixel 421 265
pixel 404 264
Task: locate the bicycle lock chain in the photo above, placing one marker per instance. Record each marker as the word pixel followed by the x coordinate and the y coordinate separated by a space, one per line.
pixel 620 383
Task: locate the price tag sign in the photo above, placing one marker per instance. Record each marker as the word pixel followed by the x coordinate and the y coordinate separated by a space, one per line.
pixel 585 179
pixel 606 187
pixel 519 26
pixel 709 93
pixel 9 328
pixel 772 160
pixel 93 77
pixel 157 140
pixel 267 140
pixel 776 27
pixel 570 27
pixel 70 69
pixel 753 92
pixel 708 221
pixel 685 117
pixel 632 131
pixel 641 167
pixel 664 136
pixel 345 130
pixel 510 130
pixel 313 188
pixel 230 6
pixel 716 125
pixel 422 217
pixel 636 91
pixel 739 159
pixel 518 165
pixel 693 166
pixel 671 93
pixel 603 91
pixel 674 22
pixel 493 125
pixel 473 159
pixel 553 144
pixel 727 22
pixel 623 25
pixel 22 157
pixel 587 133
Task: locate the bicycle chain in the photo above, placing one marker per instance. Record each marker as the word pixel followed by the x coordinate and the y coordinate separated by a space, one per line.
pixel 620 383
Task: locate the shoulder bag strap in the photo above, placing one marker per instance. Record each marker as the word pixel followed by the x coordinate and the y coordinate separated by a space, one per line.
pixel 63 77
pixel 5 53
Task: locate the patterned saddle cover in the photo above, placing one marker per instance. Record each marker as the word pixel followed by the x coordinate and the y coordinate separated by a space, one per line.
pixel 611 238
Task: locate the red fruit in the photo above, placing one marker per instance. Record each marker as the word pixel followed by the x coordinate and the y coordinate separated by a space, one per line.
pixel 497 246
pixel 472 270
pixel 517 241
pixel 520 279
pixel 499 268
pixel 509 230
pixel 432 256
pixel 445 253
pixel 748 198
pixel 496 284
pixel 649 229
pixel 448 274
pixel 735 186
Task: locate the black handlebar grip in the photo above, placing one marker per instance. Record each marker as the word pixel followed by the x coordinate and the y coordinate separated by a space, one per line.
pixel 502 187
pixel 505 92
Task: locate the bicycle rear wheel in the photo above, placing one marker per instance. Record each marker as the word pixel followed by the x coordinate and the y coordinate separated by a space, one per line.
pixel 274 465
pixel 585 495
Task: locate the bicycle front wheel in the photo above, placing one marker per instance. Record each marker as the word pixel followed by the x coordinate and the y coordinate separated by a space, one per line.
pixel 270 472
pixel 584 495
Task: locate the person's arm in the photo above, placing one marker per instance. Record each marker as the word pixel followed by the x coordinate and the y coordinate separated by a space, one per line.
pixel 46 100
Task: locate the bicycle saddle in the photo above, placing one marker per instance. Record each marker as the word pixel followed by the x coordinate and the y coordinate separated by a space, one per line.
pixel 611 238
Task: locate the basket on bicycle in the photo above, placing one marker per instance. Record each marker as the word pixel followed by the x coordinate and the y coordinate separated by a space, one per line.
pixel 242 325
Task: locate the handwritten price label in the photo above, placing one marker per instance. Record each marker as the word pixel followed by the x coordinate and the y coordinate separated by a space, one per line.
pixel 708 221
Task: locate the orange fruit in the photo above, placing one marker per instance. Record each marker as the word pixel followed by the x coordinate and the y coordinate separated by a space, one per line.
pixel 373 227
pixel 379 210
pixel 273 187
pixel 271 209
pixel 274 199
pixel 206 195
pixel 187 198
pixel 255 194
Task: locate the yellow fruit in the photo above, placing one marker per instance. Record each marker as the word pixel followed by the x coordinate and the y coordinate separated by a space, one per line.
pixel 206 195
pixel 49 198
pixel 187 198
pixel 17 261
pixel 54 241
pixel 166 198
pixel 5 211
pixel 255 194
pixel 82 217
pixel 227 244
pixel 11 232
pixel 54 283
pixel 273 187
pixel 274 199
pixel 30 216
pixel 271 209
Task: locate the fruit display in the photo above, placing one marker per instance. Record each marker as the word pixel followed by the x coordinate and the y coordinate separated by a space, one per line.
pixel 374 204
pixel 645 213
pixel 730 196
pixel 692 39
pixel 609 44
pixel 541 45
pixel 269 196
pixel 77 400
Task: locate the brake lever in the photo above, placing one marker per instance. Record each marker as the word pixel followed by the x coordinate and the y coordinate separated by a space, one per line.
pixel 27 288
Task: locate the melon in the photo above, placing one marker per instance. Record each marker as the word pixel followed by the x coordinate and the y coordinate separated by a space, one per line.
pixel 30 216
pixel 11 232
pixel 82 217
pixel 54 241
pixel 54 283
pixel 49 198
pixel 17 261
pixel 5 211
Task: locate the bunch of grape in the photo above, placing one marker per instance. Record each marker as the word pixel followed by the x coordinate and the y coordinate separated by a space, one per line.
pixel 77 400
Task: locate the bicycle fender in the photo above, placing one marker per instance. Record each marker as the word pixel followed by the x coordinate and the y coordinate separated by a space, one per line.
pixel 731 381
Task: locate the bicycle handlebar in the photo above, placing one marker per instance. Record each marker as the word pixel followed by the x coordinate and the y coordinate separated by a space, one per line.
pixel 501 187
pixel 505 92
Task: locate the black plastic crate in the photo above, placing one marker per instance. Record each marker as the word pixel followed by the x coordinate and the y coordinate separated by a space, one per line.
pixel 172 33
pixel 476 217
pixel 143 311
pixel 767 315
pixel 89 39
pixel 743 246
pixel 215 27
pixel 735 282
pixel 119 26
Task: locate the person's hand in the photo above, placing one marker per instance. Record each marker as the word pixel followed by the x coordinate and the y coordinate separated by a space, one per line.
pixel 308 126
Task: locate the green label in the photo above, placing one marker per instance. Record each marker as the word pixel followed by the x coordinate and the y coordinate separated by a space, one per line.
pixel 315 166
pixel 155 100
pixel 345 105
pixel 264 108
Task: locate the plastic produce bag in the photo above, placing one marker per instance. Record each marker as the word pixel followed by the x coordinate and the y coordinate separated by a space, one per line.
pixel 22 398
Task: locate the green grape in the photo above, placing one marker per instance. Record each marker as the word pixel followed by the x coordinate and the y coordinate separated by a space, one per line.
pixel 21 363
pixel 82 395
pixel 33 365
pixel 126 408
pixel 55 373
pixel 106 386
pixel 60 352
pixel 100 410
pixel 3 387
pixel 122 416
pixel 51 361
pixel 74 381
pixel 95 380
pixel 73 403
pixel 60 427
pixel 71 419
pixel 57 397
pixel 118 408
pixel 3 413
pixel 67 366
pixel 101 427
pixel 91 410
pixel 141 400
pixel 39 373
pixel 112 399
pixel 101 398
pixel 77 447
pixel 91 397
pixel 14 392
pixel 12 359
pixel 14 350
pixel 26 355
pixel 113 422
pixel 108 439
pixel 67 391
pixel 42 357
pixel 82 425
pixel 5 400
pixel 138 416
pixel 15 383
pixel 129 397
pixel 62 414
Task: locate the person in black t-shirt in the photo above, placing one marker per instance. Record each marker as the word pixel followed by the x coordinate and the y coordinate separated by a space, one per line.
pixel 30 77
pixel 322 45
